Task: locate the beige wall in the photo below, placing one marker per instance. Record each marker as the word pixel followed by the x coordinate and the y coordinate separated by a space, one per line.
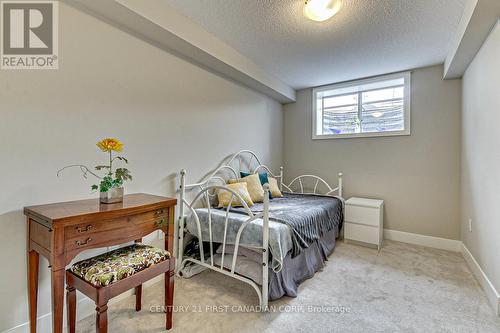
pixel 481 157
pixel 170 114
pixel 418 176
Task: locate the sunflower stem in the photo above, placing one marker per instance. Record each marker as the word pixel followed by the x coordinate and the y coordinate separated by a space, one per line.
pixel 110 163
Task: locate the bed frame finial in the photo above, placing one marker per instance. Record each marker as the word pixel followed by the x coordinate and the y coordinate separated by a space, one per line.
pixel 340 184
pixel 281 178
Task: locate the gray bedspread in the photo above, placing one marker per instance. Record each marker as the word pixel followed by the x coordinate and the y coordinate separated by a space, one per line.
pixel 296 221
pixel 295 271
pixel 308 216
pixel 280 238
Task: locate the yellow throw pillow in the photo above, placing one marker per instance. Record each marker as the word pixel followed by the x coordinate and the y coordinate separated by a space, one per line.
pixel 254 186
pixel 226 196
pixel 274 188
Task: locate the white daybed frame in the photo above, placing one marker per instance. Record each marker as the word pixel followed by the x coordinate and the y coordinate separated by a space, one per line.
pixel 207 188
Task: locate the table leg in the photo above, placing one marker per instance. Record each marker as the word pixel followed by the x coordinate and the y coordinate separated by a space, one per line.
pixel 169 293
pixel 57 300
pixel 169 233
pixel 33 259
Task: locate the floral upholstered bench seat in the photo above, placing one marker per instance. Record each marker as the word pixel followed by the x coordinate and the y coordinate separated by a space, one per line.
pixel 119 264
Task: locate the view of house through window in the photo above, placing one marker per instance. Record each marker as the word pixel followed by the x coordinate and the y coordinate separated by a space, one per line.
pixel 373 107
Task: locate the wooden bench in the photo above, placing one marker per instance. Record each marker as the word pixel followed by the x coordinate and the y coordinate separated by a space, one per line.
pixel 111 274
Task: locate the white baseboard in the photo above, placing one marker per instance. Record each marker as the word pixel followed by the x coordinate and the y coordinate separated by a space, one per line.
pixel 429 241
pixel 490 291
pixel 85 308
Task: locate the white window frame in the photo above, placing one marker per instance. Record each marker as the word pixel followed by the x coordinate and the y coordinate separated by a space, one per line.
pixel 407 101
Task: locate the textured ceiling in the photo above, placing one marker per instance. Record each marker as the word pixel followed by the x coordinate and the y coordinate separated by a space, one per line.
pixel 367 37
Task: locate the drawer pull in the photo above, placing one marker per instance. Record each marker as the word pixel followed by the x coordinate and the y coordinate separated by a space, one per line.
pixel 78 243
pixel 160 223
pixel 82 230
pixel 159 212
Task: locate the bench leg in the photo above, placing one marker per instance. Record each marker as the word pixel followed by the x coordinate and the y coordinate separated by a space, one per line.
pixel 169 294
pixel 102 318
pixel 138 298
pixel 71 304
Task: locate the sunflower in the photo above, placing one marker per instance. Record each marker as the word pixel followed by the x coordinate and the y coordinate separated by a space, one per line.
pixel 110 144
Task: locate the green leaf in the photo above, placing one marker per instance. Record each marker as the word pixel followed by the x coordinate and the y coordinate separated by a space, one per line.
pixel 123 174
pixel 117 182
pixel 106 184
pixel 94 187
pixel 100 167
pixel 121 158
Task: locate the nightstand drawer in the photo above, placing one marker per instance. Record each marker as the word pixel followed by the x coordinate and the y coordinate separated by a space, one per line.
pixel 363 215
pixel 362 233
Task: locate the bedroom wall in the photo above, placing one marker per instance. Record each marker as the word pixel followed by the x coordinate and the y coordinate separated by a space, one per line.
pixel 481 157
pixel 418 176
pixel 169 113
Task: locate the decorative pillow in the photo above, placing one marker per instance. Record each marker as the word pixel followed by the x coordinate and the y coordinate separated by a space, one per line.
pixel 263 179
pixel 254 187
pixel 226 196
pixel 262 176
pixel 274 189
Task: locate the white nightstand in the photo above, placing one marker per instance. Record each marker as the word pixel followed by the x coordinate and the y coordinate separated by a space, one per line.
pixel 364 221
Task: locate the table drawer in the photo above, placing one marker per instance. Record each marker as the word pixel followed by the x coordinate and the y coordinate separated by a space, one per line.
pixel 90 228
pixel 362 233
pixel 119 235
pixel 363 215
pixel 41 235
pixel 158 215
pixel 86 229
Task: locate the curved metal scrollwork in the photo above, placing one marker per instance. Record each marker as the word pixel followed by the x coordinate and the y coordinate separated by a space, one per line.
pixel 317 182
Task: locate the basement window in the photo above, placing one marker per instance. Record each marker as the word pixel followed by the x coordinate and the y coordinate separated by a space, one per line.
pixel 372 107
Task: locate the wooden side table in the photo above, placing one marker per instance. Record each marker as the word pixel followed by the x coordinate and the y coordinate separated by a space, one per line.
pixel 60 231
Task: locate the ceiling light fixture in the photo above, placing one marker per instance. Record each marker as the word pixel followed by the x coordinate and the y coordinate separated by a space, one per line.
pixel 321 10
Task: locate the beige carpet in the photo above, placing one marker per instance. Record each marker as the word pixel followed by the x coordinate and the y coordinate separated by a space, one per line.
pixel 403 288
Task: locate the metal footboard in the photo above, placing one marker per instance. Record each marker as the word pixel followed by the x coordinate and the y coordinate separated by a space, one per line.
pixel 204 197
